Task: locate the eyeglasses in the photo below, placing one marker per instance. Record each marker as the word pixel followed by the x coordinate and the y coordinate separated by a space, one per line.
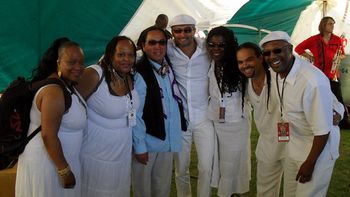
pixel 154 42
pixel 274 51
pixel 186 30
pixel 219 45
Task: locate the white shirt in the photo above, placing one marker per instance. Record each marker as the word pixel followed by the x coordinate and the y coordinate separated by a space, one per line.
pixel 192 77
pixel 307 106
pixel 232 101
pixel 268 148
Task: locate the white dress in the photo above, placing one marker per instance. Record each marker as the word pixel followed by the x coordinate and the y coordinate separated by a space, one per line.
pixel 36 173
pixel 233 140
pixel 106 152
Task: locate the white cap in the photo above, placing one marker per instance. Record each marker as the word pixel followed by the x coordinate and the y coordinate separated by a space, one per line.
pixel 182 19
pixel 276 35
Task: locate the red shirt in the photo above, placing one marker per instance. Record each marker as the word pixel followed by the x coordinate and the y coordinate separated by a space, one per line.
pixel 323 53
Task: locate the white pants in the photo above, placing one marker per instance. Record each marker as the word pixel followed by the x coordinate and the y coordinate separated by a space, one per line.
pixel 269 177
pixel 318 186
pixel 203 136
pixel 234 157
pixel 153 179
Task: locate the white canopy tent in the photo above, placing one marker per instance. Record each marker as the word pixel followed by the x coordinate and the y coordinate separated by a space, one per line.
pixel 309 19
pixel 208 13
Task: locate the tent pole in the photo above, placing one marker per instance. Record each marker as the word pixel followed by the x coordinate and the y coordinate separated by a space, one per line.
pixel 260 34
pixel 324 11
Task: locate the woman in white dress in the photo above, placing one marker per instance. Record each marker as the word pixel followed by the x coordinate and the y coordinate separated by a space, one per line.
pixel 229 113
pixel 109 91
pixel 49 165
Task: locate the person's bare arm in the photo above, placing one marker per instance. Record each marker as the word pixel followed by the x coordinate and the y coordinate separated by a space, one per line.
pixel 51 104
pixel 305 172
pixel 308 56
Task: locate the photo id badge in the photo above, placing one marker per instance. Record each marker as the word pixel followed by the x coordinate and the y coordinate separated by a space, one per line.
pixel 222 111
pixel 283 131
pixel 132 118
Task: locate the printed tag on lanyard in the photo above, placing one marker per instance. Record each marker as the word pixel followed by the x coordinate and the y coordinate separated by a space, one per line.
pixel 222 111
pixel 283 131
pixel 132 118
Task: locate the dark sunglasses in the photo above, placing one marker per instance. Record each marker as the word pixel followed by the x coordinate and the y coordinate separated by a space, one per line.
pixel 154 42
pixel 274 51
pixel 186 30
pixel 219 45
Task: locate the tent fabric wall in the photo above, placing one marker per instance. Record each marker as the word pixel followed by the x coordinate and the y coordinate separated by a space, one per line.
pixel 29 27
pixel 299 18
pixel 207 13
pixel 271 15
pixel 310 18
pixel 18 38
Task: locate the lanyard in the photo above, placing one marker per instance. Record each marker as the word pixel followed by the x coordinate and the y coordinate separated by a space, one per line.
pixel 280 95
pixel 130 95
pixel 220 80
pixel 162 72
pixel 126 82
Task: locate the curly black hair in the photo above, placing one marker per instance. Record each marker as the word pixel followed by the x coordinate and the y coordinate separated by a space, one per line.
pixel 231 74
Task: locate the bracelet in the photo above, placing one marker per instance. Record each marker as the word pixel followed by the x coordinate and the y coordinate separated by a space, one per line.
pixel 64 172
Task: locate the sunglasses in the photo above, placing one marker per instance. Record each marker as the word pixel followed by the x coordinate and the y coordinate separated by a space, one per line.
pixel 154 42
pixel 274 51
pixel 219 45
pixel 186 30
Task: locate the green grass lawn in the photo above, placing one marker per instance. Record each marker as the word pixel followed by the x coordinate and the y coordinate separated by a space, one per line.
pixel 340 183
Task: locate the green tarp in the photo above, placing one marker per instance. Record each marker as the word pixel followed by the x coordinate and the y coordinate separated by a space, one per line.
pixel 28 28
pixel 271 15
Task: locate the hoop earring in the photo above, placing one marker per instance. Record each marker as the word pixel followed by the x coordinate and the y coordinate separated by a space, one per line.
pixel 59 73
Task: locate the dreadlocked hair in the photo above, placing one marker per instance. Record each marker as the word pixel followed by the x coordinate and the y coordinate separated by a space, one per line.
pixel 107 60
pixel 268 79
pixel 231 79
pixel 258 53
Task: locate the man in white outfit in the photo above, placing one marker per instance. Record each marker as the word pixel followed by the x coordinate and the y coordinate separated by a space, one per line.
pixel 305 102
pixel 191 64
pixel 262 95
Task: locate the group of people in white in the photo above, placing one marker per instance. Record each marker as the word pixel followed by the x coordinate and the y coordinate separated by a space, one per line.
pixel 130 119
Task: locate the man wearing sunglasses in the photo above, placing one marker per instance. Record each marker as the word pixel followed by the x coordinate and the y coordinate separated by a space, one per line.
pixel 305 103
pixel 157 134
pixel 191 64
pixel 261 94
